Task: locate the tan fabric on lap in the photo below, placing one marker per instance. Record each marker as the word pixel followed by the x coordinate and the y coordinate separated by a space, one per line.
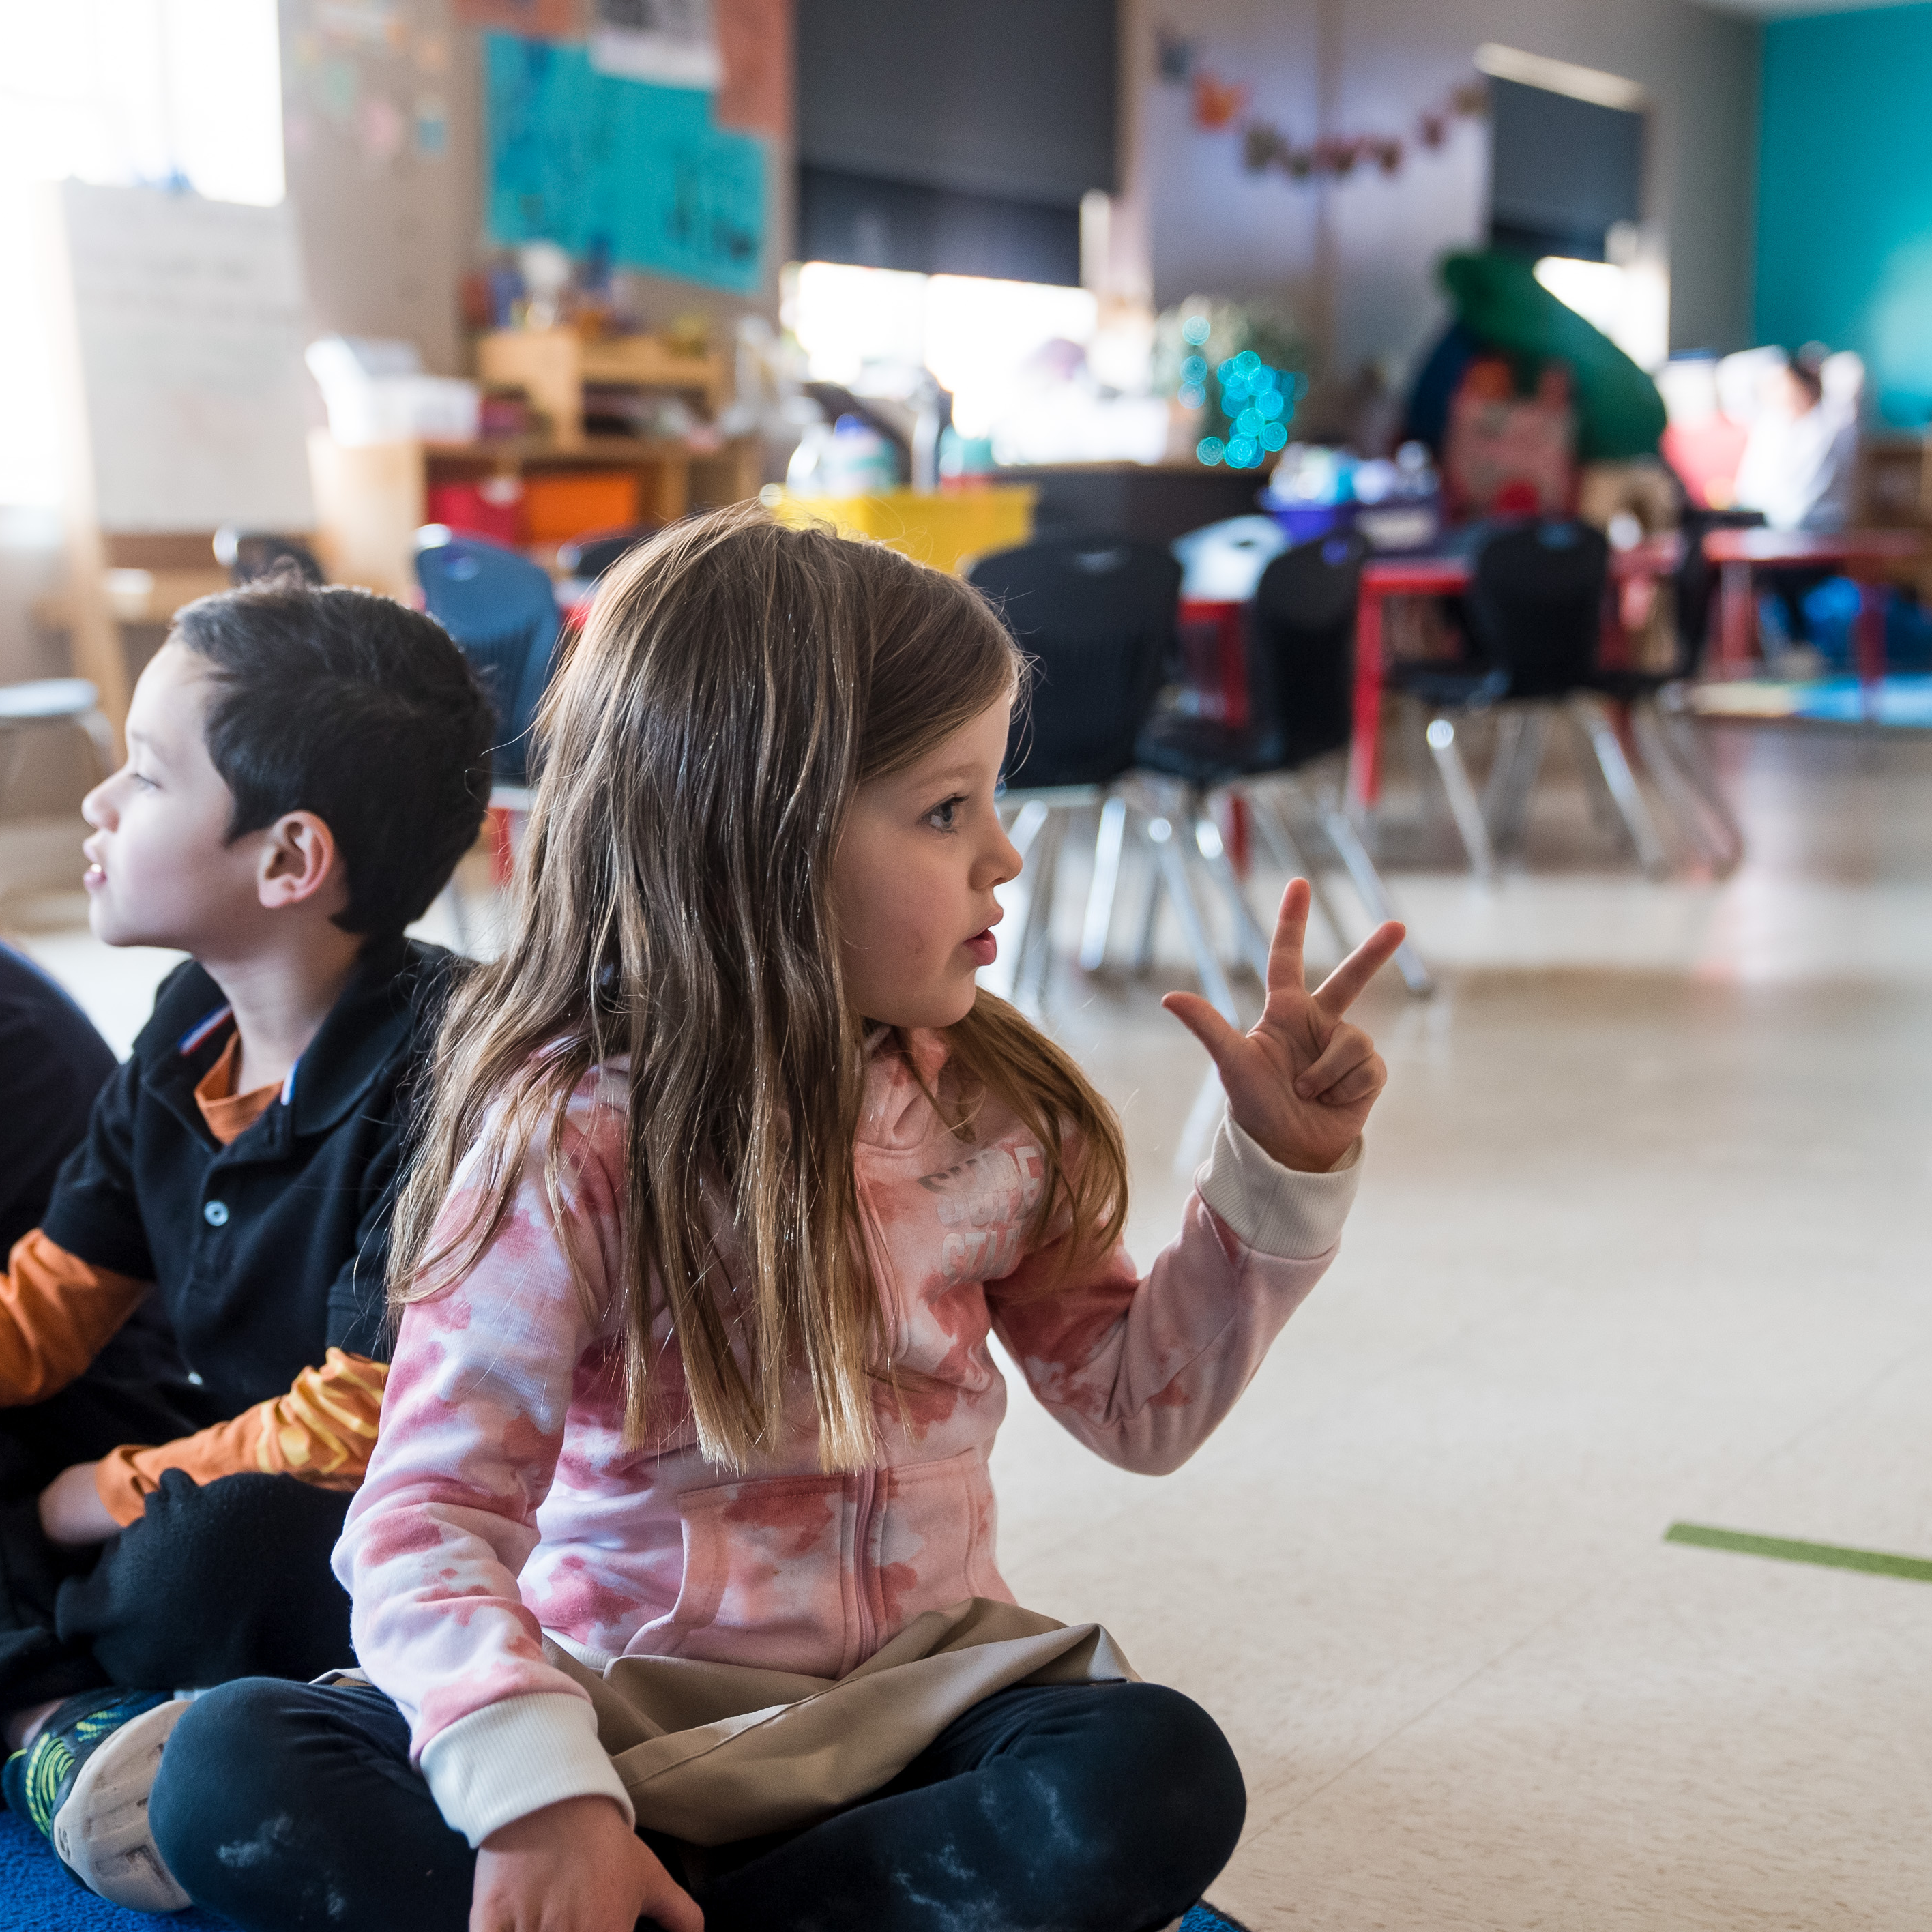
pixel 713 1752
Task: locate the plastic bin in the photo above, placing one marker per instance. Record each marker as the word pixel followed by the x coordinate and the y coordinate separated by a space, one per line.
pixel 492 508
pixel 946 531
pixel 560 504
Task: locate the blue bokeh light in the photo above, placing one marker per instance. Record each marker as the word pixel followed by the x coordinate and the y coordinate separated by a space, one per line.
pixel 1210 449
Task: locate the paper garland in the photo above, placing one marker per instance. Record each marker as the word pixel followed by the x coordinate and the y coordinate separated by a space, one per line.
pixel 1219 106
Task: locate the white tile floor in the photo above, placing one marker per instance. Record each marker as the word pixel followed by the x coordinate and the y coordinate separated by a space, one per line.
pixel 1642 1238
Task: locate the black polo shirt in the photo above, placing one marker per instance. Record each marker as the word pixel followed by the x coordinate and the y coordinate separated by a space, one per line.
pixel 269 1251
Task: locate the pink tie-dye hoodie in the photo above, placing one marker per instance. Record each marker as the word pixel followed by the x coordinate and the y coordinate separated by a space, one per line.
pixel 501 1504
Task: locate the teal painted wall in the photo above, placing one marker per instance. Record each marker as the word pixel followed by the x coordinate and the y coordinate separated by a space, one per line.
pixel 1844 231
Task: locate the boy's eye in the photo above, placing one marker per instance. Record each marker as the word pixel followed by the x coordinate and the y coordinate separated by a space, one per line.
pixel 945 816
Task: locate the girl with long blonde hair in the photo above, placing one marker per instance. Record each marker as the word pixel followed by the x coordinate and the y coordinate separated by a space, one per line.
pixel 673 1572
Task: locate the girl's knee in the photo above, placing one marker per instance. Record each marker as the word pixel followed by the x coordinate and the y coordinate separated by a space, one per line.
pixel 1176 1790
pixel 1174 1731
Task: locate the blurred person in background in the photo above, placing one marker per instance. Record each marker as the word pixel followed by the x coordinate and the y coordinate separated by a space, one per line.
pixel 1799 469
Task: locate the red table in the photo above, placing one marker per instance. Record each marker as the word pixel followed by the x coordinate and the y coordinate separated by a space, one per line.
pixel 1384 577
pixel 1859 553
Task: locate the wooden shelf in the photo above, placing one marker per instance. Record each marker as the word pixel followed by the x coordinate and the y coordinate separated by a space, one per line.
pixel 551 366
pixel 370 501
pixel 507 453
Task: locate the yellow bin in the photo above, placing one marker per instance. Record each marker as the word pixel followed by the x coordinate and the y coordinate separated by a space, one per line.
pixel 947 532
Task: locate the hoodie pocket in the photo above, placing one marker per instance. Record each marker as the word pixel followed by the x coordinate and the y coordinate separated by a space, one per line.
pixel 767 1573
pixel 932 1539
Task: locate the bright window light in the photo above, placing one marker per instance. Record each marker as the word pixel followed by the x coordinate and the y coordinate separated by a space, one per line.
pixel 876 328
pixel 175 93
pixel 1630 304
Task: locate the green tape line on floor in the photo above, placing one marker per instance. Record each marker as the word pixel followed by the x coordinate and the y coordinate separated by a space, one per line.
pixel 1832 1555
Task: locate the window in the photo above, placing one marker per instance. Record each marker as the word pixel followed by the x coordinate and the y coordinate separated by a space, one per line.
pixel 184 93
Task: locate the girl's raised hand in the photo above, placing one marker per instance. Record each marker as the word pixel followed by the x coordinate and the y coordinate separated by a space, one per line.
pixel 1302 1082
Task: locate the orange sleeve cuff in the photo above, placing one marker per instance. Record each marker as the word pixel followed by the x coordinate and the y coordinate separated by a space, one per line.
pixel 321 1432
pixel 57 1313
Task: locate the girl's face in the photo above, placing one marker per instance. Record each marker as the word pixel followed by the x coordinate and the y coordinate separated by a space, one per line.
pixel 913 879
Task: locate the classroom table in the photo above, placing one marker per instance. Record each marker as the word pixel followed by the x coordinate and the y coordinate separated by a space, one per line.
pixel 1860 554
pixel 1441 575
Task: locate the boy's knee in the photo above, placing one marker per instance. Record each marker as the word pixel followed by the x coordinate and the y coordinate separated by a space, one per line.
pixel 224 1778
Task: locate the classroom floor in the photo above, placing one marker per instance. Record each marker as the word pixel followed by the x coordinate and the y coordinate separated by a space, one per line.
pixel 1642 1238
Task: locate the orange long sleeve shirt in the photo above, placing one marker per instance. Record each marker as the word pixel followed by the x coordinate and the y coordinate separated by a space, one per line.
pixel 58 1312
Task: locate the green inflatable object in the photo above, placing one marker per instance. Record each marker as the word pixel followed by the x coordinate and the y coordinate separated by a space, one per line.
pixel 1498 300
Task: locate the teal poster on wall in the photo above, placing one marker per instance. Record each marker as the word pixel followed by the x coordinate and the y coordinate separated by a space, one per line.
pixel 593 162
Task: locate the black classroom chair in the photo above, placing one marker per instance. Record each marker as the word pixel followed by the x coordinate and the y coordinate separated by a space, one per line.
pixel 1096 614
pixel 1299 661
pixel 1535 607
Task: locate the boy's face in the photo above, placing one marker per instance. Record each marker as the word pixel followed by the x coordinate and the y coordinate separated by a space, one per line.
pixel 161 871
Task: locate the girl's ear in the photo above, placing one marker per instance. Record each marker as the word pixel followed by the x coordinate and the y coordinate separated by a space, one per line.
pixel 299 860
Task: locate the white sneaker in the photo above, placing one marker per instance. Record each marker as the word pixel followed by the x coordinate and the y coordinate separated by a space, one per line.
pixel 101 1830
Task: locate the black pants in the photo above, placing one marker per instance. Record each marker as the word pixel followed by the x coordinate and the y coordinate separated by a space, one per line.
pixel 1102 1808
pixel 228 1580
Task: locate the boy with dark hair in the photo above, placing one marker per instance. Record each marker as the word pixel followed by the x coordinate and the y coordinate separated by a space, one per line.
pixel 304 768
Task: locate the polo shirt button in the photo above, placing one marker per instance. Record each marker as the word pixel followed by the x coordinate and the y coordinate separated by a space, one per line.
pixel 194 1376
pixel 216 1214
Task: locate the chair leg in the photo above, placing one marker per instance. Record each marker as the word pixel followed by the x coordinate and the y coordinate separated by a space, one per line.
pixel 1594 716
pixel 1375 895
pixel 1249 936
pixel 1271 816
pixel 1522 735
pixel 1687 738
pixel 1463 807
pixel 1688 806
pixel 1172 862
pixel 1034 957
pixel 1025 827
pixel 1100 895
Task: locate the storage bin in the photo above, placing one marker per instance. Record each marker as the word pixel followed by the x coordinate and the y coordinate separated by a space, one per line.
pixel 946 531
pixel 492 508
pixel 560 504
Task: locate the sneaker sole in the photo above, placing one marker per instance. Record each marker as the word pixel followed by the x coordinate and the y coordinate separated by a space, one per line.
pixel 101 1832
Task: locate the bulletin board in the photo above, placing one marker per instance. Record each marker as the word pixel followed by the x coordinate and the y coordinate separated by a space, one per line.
pixel 589 160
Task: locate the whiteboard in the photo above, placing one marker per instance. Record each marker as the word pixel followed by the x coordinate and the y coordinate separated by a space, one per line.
pixel 190 321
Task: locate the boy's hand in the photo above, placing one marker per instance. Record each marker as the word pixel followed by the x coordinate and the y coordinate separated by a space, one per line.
pixel 1301 1084
pixel 71 1510
pixel 575 1866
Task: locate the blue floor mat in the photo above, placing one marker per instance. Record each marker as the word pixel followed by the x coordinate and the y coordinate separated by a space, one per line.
pixel 36 1895
pixel 1901 700
pixel 1904 701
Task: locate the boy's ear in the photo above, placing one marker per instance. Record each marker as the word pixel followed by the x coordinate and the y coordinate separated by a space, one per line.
pixel 299 860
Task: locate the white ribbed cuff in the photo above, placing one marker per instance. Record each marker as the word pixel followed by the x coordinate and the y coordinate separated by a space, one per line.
pixel 512 1758
pixel 1273 1209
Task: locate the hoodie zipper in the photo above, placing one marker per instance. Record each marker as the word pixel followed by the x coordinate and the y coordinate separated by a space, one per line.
pixel 866 1483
